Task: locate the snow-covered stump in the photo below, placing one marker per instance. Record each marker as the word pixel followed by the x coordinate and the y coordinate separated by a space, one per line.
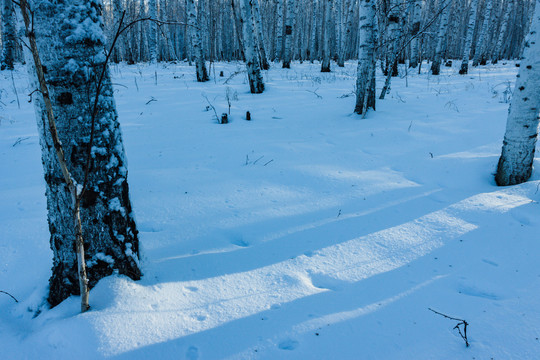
pixel 72 51
pixel 256 84
pixel 441 34
pixel 469 38
pixel 365 81
pixel 289 24
pixel 8 35
pixel 200 67
pixel 515 163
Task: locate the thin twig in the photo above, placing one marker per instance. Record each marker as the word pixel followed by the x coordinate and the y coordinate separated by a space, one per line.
pixel 8 294
pixel 461 322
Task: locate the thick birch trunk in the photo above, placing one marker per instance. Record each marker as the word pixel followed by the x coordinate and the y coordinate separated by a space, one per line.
pixel 8 35
pixel 365 82
pixel 194 29
pixel 289 24
pixel 469 38
pixel 515 163
pixel 325 64
pixel 443 26
pixel 72 51
pixel 481 44
pixel 256 84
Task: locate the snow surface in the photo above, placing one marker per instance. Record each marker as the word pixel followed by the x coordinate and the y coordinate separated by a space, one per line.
pixel 305 233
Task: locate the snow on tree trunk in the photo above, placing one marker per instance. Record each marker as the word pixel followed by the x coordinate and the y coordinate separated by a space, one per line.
pixel 8 35
pixel 365 81
pixel 415 28
pixel 256 84
pixel 469 38
pixel 441 35
pixel 287 48
pixel 200 67
pixel 481 44
pixel 325 64
pixel 260 35
pixel 72 52
pixel 498 52
pixel 515 163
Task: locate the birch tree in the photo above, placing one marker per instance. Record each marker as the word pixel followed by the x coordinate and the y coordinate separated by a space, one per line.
pixel 516 161
pixel 200 67
pixel 256 84
pixel 497 53
pixel 441 34
pixel 279 30
pixel 289 23
pixel 481 44
pixel 153 34
pixel 325 64
pixel 87 134
pixel 365 81
pixel 415 28
pixel 260 35
pixel 469 38
pixel 8 35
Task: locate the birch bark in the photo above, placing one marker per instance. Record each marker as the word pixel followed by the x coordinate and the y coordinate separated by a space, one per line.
pixel 469 38
pixel 256 84
pixel 365 81
pixel 194 30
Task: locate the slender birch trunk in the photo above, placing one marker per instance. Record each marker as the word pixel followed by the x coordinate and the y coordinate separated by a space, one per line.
pixel 515 163
pixel 469 38
pixel 313 43
pixel 260 35
pixel 365 81
pixel 415 28
pixel 279 30
pixel 443 26
pixel 77 147
pixel 200 66
pixel 289 24
pixel 325 64
pixel 481 44
pixel 153 34
pixel 340 40
pixel 256 84
pixel 498 51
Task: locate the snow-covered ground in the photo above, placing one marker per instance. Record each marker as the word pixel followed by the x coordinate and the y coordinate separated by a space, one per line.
pixel 305 233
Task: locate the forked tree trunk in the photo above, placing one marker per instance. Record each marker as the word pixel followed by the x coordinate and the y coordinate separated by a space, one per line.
pixel 195 31
pixel 8 35
pixel 365 81
pixel 515 163
pixel 256 84
pixel 73 54
pixel 469 38
pixel 260 35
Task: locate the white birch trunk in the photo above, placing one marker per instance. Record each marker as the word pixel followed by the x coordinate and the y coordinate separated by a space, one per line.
pixel 481 44
pixel 443 26
pixel 469 38
pixel 8 35
pixel 497 53
pixel 153 34
pixel 73 54
pixel 256 84
pixel 260 35
pixel 279 30
pixel 340 38
pixel 194 30
pixel 515 163
pixel 313 42
pixel 289 24
pixel 365 81
pixel 325 64
pixel 415 28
